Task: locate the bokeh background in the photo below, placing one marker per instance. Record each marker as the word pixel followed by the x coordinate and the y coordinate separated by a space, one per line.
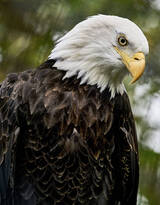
pixel 28 30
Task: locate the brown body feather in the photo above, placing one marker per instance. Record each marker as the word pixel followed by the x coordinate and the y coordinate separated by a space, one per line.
pixel 65 143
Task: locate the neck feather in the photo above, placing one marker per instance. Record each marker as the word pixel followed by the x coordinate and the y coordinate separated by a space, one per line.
pixel 101 76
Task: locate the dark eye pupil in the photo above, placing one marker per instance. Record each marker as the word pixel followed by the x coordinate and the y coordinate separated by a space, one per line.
pixel 123 40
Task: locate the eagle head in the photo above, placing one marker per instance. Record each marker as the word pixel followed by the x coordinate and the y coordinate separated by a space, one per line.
pixel 102 50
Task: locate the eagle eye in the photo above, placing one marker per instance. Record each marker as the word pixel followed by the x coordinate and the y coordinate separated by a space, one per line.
pixel 122 41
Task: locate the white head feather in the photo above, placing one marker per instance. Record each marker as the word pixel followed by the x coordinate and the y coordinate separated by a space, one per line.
pixel 88 51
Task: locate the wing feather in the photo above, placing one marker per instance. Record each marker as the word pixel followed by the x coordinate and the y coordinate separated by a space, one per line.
pixel 127 150
pixel 10 101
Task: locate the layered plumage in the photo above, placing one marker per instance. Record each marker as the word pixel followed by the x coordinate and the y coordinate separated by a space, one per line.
pixel 63 142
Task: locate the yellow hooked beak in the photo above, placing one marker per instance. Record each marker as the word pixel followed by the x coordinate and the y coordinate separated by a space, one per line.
pixel 135 64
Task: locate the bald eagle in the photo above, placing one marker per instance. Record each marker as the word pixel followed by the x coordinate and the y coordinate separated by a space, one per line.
pixel 67 133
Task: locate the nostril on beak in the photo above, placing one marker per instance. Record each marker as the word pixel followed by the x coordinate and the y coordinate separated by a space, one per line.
pixel 136 59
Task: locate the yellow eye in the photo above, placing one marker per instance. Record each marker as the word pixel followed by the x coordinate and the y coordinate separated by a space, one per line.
pixel 122 41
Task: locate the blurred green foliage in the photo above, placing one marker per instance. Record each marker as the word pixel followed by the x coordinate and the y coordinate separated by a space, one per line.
pixel 28 29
